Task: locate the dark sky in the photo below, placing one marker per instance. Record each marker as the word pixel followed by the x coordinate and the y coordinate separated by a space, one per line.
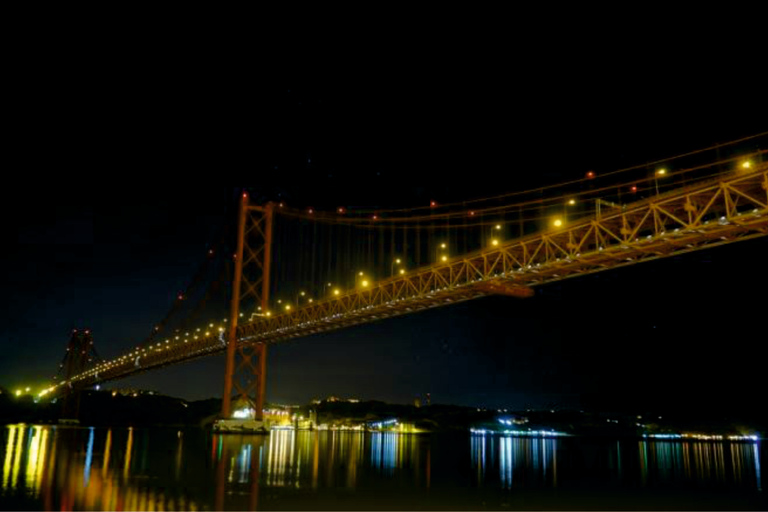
pixel 125 164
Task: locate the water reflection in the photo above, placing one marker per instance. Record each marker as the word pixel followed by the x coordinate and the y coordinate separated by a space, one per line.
pixel 58 468
pixel 517 460
pixel 287 458
pixel 703 464
pixel 47 467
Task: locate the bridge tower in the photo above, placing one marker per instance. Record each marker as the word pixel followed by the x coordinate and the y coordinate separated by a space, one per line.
pixel 245 374
pixel 80 355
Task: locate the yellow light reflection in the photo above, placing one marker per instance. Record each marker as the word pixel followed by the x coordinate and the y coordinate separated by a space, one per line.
pixel 315 460
pixel 179 452
pixel 128 449
pixel 107 450
pixel 36 459
pixel 17 456
pixel 8 456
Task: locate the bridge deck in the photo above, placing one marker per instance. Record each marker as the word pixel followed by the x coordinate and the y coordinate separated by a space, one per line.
pixel 706 214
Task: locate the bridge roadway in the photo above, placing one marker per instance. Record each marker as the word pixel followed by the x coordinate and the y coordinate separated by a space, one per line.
pixel 706 214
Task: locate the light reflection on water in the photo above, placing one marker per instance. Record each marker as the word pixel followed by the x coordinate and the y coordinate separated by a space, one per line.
pixel 69 468
pixel 516 460
pixel 49 467
pixel 700 463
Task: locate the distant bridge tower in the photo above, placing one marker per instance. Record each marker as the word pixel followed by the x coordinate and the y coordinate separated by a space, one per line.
pixel 79 357
pixel 245 378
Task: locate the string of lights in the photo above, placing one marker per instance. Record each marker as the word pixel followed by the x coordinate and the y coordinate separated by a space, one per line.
pixel 587 177
pixel 344 216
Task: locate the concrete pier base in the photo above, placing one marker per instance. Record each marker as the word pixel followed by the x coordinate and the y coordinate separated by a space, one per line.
pixel 240 426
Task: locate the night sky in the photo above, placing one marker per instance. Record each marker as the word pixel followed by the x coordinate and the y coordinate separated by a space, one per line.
pixel 125 169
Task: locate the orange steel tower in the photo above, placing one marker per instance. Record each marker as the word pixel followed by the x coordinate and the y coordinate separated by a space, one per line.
pixel 245 377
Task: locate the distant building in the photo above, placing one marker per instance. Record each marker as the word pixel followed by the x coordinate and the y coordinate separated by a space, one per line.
pixel 317 401
pixel 131 392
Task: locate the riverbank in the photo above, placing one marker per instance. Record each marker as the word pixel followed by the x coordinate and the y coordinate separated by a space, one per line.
pixel 111 408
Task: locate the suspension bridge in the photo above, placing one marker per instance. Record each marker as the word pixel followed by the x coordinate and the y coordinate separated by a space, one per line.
pixel 302 271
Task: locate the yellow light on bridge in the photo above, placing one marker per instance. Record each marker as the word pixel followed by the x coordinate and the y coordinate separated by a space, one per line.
pixel 661 172
pixel 336 291
pixel 557 222
pixel 360 274
pixel 494 242
pixel 444 258
pixel 398 261
pixel 287 307
pixel 365 283
pixel 498 226
pixel 269 313
pixel 746 165
pixel 571 202
pixel 18 392
pixel 402 271
pixel 443 246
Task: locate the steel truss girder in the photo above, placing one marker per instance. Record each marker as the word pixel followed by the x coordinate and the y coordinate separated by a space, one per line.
pixel 717 212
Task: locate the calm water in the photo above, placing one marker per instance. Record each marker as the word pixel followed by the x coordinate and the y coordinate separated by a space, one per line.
pixel 60 468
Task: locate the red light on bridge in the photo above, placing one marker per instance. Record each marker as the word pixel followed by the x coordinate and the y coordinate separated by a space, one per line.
pixel 180 297
pixel 375 217
pixel 432 204
pixel 633 188
pixel 590 175
pixel 340 210
pixel 245 195
pixel 471 214
pixel 311 211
